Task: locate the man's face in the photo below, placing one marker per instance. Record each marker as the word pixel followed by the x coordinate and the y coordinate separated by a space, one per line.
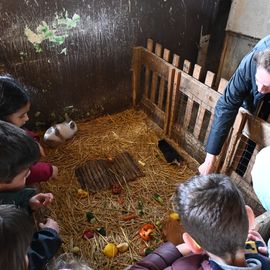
pixel 263 80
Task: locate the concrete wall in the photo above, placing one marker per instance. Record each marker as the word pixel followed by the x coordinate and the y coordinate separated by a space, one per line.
pixel 93 78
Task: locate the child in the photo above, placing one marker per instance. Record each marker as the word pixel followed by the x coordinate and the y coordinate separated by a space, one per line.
pixel 18 152
pixel 20 249
pixel 14 106
pixel 217 223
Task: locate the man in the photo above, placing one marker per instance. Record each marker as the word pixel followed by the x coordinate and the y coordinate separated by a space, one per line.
pixel 249 85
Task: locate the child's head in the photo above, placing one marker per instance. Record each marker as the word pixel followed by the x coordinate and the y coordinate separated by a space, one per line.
pixel 18 152
pixel 14 101
pixel 16 231
pixel 261 177
pixel 213 213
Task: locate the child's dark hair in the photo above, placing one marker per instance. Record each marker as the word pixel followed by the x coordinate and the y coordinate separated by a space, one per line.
pixel 213 212
pixel 13 96
pixel 16 231
pixel 18 151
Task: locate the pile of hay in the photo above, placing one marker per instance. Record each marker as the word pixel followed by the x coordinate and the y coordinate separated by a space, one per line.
pixel 102 138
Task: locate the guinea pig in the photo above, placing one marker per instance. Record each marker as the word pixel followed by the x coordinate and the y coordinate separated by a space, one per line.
pixel 59 133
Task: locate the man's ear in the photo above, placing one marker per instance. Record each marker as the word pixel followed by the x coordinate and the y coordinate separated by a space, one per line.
pixel 192 244
pixel 251 217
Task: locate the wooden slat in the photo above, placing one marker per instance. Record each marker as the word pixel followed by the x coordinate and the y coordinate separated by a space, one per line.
pixel 222 85
pixel 209 80
pixel 169 99
pixel 177 78
pixel 186 66
pixel 158 49
pixel 176 60
pixel 209 127
pixel 247 174
pixel 166 56
pixel 150 45
pixel 262 128
pixel 197 72
pixel 188 113
pixel 136 75
pixel 198 91
pixel 238 126
pixel 199 122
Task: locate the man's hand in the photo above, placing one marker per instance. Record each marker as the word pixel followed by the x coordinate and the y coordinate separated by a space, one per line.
pixel 209 165
pixel 41 199
pixel 50 223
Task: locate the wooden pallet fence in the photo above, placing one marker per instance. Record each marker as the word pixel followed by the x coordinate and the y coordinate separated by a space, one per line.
pixel 175 99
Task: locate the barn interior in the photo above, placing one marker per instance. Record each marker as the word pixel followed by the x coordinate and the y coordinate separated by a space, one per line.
pixel 132 75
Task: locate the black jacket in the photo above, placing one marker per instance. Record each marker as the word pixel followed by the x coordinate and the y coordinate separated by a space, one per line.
pixel 240 91
pixel 44 245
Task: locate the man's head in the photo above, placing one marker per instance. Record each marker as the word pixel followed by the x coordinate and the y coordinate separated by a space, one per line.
pixel 213 213
pixel 18 153
pixel 262 76
pixel 16 230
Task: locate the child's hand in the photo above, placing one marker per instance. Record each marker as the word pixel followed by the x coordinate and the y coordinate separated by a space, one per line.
pixel 255 236
pixel 50 223
pixel 41 199
pixel 42 152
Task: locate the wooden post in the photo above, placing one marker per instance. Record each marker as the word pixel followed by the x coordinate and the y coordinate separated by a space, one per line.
pixel 176 84
pixel 166 55
pixel 169 99
pixel 236 133
pixel 150 47
pixel 136 75
pixel 158 51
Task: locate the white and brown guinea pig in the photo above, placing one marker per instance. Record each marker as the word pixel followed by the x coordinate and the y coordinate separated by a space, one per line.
pixel 59 133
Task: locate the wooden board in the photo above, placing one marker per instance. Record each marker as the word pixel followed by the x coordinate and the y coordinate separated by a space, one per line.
pixel 96 175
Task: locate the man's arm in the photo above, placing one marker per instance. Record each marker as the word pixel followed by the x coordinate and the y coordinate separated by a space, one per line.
pixel 238 88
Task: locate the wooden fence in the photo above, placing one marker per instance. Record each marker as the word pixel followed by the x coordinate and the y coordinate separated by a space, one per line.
pixel 182 101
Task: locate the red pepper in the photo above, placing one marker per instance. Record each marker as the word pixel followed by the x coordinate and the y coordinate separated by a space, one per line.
pixel 146 230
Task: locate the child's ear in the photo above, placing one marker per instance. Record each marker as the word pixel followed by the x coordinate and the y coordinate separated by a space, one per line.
pixel 192 244
pixel 251 217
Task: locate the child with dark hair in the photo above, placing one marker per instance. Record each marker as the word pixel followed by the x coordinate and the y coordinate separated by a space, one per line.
pixel 18 153
pixel 14 106
pixel 20 247
pixel 217 225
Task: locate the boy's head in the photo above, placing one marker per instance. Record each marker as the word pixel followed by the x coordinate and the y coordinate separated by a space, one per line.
pixel 14 101
pixel 18 152
pixel 261 177
pixel 213 213
pixel 16 231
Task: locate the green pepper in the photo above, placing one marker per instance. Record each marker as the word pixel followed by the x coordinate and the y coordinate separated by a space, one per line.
pixel 158 198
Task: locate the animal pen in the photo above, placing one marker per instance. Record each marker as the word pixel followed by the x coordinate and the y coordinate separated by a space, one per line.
pixel 169 102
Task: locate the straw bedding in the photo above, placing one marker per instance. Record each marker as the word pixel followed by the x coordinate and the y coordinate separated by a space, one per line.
pixel 101 138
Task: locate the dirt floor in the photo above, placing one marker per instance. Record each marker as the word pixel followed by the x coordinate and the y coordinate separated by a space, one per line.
pixel 101 139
